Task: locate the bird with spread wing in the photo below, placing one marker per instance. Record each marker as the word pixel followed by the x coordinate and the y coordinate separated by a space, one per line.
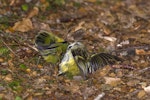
pixel 77 60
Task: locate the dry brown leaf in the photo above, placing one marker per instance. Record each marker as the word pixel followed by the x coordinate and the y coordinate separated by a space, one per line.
pixel 33 12
pixel 141 94
pixel 140 51
pixel 112 81
pixel 80 26
pixel 29 98
pixel 34 73
pixel 45 27
pixel 104 71
pixel 1 60
pixel 23 26
pixel 75 89
pixel 10 63
pixel 12 2
pixel 40 66
pixel 133 82
pixel 8 77
pixel 106 31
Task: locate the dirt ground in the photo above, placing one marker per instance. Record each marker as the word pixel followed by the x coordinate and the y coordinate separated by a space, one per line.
pixel 120 27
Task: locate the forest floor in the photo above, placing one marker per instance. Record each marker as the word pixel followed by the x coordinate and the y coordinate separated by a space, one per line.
pixel 120 27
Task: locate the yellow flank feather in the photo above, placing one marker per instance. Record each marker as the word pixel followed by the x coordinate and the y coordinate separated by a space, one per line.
pixel 68 65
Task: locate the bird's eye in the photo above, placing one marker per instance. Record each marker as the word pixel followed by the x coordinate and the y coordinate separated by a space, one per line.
pixel 69 47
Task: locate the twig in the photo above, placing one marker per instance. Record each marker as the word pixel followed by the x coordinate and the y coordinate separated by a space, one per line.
pixel 32 47
pixel 143 70
pixel 8 47
pixel 38 60
pixel 100 96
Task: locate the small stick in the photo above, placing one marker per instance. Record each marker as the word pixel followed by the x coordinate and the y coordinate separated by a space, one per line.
pixel 8 47
pixel 32 47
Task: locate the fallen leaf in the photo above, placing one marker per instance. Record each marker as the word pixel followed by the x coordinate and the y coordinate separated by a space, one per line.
pixel 133 82
pixel 140 51
pixel 104 71
pixel 8 77
pixel 23 26
pixel 10 63
pixel 40 66
pixel 34 73
pixel 33 12
pixel 106 31
pixel 44 26
pixel 141 94
pixel 80 26
pixel 111 39
pixel 112 81
pixel 1 60
pixel 12 2
pixel 75 89
pixel 29 98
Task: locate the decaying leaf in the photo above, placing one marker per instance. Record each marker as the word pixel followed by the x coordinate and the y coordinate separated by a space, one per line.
pixel 33 12
pixel 112 81
pixel 142 52
pixel 141 94
pixel 23 26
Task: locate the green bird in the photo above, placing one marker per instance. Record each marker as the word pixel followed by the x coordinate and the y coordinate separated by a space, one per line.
pixel 77 61
pixel 50 46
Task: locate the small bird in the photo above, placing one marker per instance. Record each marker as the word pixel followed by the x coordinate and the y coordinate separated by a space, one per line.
pixel 77 61
pixel 50 46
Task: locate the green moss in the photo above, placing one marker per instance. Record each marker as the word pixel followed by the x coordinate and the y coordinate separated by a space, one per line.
pixel 23 66
pixel 3 51
pixel 77 4
pixel 4 72
pixel 25 7
pixel 18 98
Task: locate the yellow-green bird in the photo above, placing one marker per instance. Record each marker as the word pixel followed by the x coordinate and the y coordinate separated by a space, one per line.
pixel 77 61
pixel 50 46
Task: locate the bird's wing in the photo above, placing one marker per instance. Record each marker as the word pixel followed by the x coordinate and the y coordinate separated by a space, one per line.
pixel 80 52
pixel 44 39
pixel 80 55
pixel 47 43
pixel 101 59
pixel 82 65
pixel 50 46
